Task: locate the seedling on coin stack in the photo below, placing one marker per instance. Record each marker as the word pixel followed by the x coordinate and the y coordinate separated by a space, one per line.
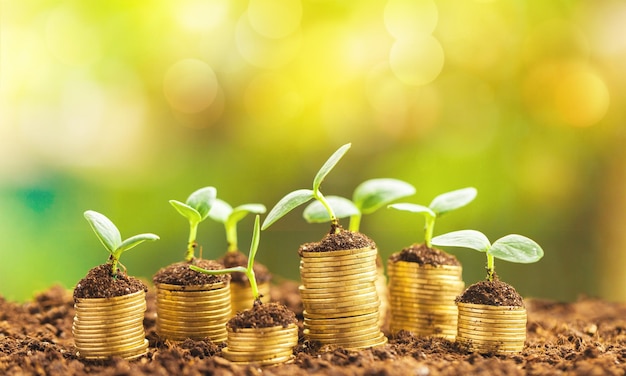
pixel 240 292
pixel 265 334
pixel 368 197
pixel 191 304
pixel 424 281
pixel 110 304
pixel 338 275
pixel 492 317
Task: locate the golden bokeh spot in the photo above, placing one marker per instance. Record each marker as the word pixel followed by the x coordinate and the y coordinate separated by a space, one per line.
pixel 190 86
pixel 273 98
pixel 404 18
pixel 417 60
pixel 202 14
pixel 275 18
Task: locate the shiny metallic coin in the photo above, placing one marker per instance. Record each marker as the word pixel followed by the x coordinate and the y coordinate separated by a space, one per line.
pixel 479 308
pixel 130 353
pixel 113 301
pixel 340 253
pixel 352 310
pixel 191 288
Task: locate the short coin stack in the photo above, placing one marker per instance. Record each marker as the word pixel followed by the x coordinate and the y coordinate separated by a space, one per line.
pixel 264 346
pixel 106 327
pixel 193 311
pixel 422 298
pixel 492 329
pixel 340 299
pixel 241 296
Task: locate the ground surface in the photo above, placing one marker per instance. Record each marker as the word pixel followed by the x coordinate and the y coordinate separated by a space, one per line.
pixel 587 337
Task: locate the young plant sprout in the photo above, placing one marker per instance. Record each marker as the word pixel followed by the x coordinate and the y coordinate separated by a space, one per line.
pixel 368 197
pixel 195 209
pixel 302 196
pixel 222 212
pixel 248 270
pixel 440 205
pixel 110 237
pixel 513 248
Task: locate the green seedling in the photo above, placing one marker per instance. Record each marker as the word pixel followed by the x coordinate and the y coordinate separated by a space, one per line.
pixel 222 212
pixel 368 197
pixel 195 209
pixel 302 196
pixel 111 239
pixel 440 205
pixel 248 270
pixel 513 248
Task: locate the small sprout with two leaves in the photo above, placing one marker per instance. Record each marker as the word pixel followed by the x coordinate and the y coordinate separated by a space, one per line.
pixel 222 212
pixel 302 196
pixel 111 239
pixel 367 197
pixel 513 248
pixel 248 270
pixel 440 205
pixel 195 209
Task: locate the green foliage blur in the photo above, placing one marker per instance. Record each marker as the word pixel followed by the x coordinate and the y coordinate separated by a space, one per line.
pixel 119 106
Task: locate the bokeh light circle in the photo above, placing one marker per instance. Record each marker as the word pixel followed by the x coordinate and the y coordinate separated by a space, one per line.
pixel 190 85
pixel 581 97
pixel 275 18
pixel 417 60
pixel 403 18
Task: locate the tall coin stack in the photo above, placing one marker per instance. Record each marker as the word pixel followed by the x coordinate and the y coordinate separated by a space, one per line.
pixel 422 298
pixel 193 311
pixel 264 346
pixel 340 299
pixel 492 329
pixel 106 327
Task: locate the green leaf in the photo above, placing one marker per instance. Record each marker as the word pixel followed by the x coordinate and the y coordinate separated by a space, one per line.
pixel 220 211
pixel 516 248
pixel 134 241
pixel 315 212
pixel 413 208
pixel 254 244
pixel 105 230
pixel 330 163
pixel 287 204
pixel 452 200
pixel 464 238
pixel 187 211
pixel 373 194
pixel 202 200
pixel 241 211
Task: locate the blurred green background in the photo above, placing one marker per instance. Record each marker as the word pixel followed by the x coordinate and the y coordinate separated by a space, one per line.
pixel 119 106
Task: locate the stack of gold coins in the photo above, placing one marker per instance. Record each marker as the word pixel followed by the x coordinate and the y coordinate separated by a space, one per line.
pixel 492 329
pixel 383 296
pixel 241 297
pixel 341 304
pixel 106 327
pixel 422 298
pixel 264 346
pixel 193 311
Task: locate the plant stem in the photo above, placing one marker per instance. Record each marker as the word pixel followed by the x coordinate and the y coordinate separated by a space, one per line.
pixel 253 285
pixel 231 238
pixel 490 267
pixel 355 223
pixel 333 218
pixel 428 230
pixel 114 268
pixel 191 245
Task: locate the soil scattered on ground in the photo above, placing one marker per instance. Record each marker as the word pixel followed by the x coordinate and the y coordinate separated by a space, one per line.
pixel 586 337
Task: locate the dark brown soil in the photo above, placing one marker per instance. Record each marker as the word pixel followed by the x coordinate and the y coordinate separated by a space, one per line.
pixel 100 283
pixel 336 241
pixel 236 258
pixel 495 293
pixel 180 274
pixel 423 255
pixel 263 316
pixel 586 337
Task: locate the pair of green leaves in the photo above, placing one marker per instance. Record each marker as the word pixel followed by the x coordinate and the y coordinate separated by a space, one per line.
pixel 367 197
pixel 440 205
pixel 301 196
pixel 513 248
pixel 197 206
pixel 111 239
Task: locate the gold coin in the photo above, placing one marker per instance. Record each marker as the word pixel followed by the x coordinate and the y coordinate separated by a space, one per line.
pixel 407 265
pixel 347 338
pixel 139 295
pixel 95 322
pixel 318 321
pixel 277 340
pixel 210 286
pixel 486 307
pixel 108 333
pixel 338 267
pixel 125 306
pixel 340 328
pixel 341 286
pixel 354 274
pixel 270 329
pixel 494 337
pixel 341 301
pixel 313 334
pixel 359 345
pixel 329 276
pixel 345 311
pixel 339 253
pixel 131 353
